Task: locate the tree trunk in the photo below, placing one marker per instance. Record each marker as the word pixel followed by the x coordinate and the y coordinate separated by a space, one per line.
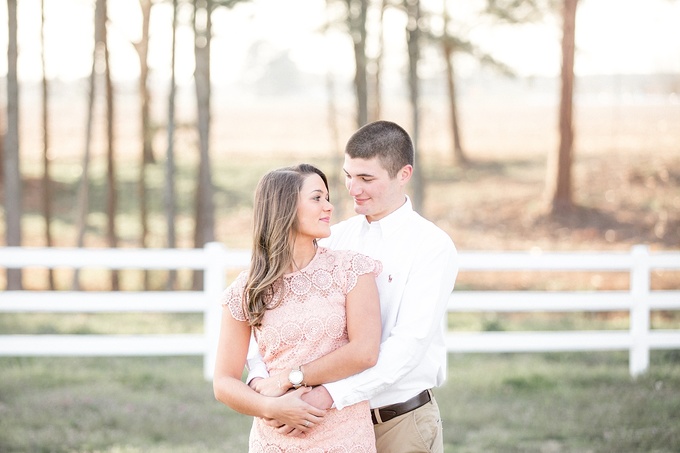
pixel 357 13
pixel 2 147
pixel 204 229
pixel 337 152
pixel 459 156
pixel 11 149
pixel 377 87
pixel 169 197
pixel 337 155
pixel 83 202
pixel 559 176
pixel 46 182
pixel 112 194
pixel 413 45
pixel 142 48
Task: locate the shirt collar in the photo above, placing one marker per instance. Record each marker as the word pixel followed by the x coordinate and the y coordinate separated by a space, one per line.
pixel 392 221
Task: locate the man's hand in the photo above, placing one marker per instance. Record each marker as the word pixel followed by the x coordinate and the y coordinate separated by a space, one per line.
pixel 319 397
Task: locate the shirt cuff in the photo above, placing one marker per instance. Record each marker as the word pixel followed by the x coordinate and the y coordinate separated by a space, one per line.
pixel 258 371
pixel 338 391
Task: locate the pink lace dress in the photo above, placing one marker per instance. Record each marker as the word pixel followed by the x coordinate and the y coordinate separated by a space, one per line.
pixel 309 323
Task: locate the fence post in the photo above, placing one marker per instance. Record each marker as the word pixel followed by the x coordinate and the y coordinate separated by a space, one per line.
pixel 213 285
pixel 640 283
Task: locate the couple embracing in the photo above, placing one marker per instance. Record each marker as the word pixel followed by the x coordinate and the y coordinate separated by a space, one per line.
pixel 347 322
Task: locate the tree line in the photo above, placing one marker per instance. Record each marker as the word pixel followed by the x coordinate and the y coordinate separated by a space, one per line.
pixel 362 20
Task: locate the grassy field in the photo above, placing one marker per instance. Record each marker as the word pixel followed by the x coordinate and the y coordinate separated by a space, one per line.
pixel 626 190
pixel 528 403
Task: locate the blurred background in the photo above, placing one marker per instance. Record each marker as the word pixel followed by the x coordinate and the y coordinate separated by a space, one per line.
pixel 147 123
pixel 539 125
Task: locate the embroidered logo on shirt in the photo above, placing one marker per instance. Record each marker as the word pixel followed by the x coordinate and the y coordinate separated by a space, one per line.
pixel 389 278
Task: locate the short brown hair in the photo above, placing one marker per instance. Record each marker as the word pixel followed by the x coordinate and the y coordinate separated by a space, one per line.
pixel 383 139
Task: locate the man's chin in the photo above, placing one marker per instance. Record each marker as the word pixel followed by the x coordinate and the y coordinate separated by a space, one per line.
pixel 360 209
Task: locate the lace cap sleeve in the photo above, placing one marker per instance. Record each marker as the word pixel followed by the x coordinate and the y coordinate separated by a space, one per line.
pixel 232 297
pixel 356 264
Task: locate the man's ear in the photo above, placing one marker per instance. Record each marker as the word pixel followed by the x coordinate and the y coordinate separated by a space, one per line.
pixel 404 175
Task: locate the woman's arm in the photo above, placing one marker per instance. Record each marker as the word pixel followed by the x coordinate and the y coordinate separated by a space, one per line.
pixel 230 390
pixel 359 354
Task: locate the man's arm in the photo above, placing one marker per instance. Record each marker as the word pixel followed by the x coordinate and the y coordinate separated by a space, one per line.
pixel 421 311
pixel 254 364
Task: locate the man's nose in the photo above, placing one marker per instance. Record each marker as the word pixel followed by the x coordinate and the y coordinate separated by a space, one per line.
pixel 354 188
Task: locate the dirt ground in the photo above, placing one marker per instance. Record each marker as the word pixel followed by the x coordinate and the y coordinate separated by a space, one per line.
pixel 626 176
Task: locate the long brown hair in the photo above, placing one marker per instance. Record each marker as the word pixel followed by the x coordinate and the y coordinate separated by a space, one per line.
pixel 274 227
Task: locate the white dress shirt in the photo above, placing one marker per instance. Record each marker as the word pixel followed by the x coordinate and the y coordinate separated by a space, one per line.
pixel 419 271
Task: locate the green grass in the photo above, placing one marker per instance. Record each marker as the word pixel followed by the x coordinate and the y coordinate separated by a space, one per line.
pixel 566 402
pixel 543 403
pixel 101 323
pixel 112 405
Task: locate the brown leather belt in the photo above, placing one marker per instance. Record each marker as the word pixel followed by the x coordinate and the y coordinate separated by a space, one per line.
pixel 385 413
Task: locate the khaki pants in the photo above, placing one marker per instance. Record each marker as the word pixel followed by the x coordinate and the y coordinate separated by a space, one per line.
pixel 418 431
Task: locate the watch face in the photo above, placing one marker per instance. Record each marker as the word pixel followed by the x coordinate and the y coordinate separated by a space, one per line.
pixel 295 377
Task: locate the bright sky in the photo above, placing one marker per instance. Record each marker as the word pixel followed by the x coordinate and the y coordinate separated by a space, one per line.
pixel 613 36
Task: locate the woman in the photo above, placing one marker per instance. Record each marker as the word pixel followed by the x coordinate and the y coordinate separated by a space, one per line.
pixel 314 313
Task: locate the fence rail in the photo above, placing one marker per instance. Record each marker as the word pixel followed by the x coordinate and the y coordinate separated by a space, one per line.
pixel 639 300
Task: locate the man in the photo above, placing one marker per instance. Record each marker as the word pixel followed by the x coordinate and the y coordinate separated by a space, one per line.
pixel 419 270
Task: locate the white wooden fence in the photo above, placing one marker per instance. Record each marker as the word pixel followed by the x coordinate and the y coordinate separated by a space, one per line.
pixel 215 260
pixel 639 300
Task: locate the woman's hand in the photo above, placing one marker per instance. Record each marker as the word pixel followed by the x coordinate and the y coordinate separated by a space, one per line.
pixel 276 385
pixel 292 416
